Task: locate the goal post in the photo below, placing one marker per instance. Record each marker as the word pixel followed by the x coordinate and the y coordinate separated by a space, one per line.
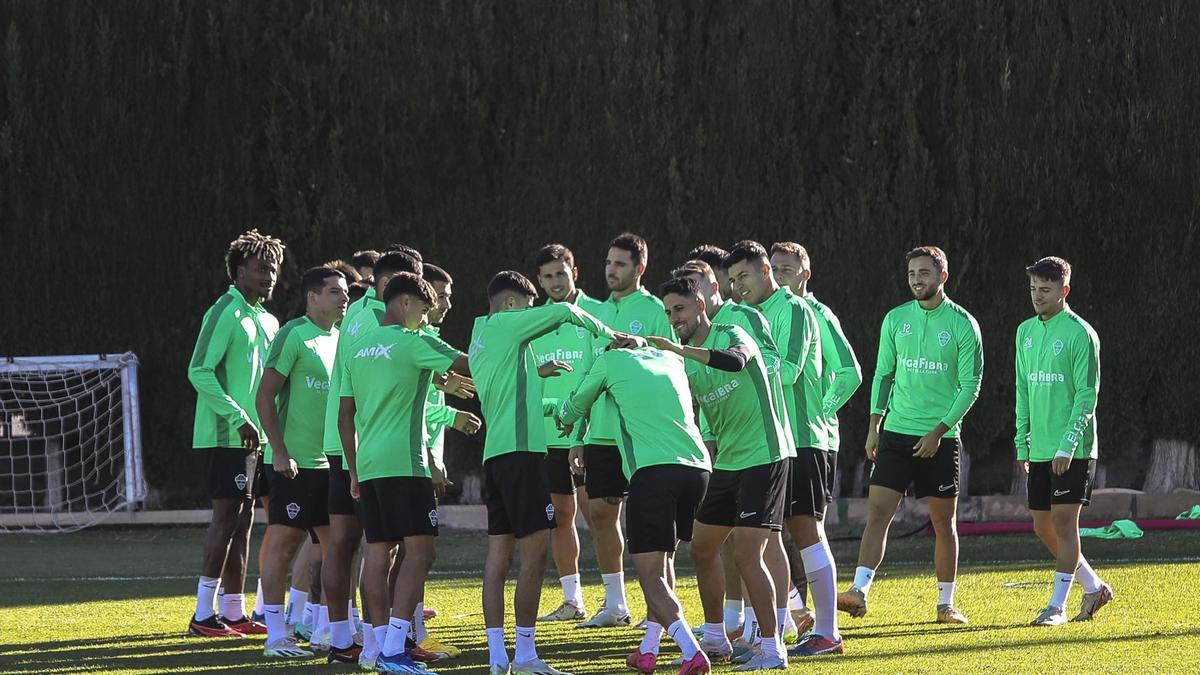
pixel 70 441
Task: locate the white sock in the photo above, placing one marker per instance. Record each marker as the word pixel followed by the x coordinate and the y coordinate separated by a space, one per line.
pixel 681 633
pixel 945 592
pixel 341 635
pixel 735 614
pixel 795 601
pixel 526 648
pixel 233 606
pixel 1087 577
pixel 572 591
pixel 276 625
pixel 772 646
pixel 258 598
pixel 354 615
pixel 418 624
pixel 781 618
pixel 297 604
pixel 714 634
pixel 497 654
pixel 206 591
pixel 322 625
pixel 863 576
pixel 1062 587
pixel 821 574
pixel 370 644
pixel 397 634
pixel 652 639
pixel 380 635
pixel 310 613
pixel 614 591
pixel 750 633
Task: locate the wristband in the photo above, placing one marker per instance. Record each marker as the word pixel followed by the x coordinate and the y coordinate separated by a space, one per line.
pixel 1064 454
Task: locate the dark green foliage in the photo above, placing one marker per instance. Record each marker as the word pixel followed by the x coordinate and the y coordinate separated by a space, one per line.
pixel 138 138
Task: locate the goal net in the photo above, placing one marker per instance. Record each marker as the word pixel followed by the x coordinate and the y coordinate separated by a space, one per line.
pixel 70 441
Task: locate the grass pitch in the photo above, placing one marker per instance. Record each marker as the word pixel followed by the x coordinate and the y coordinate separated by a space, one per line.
pixel 118 600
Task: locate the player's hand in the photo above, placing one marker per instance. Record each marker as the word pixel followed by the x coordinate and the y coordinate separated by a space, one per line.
pixel 663 343
pixel 1060 465
pixel 627 341
pixel 564 429
pixel 1025 465
pixel 466 422
pixel 354 486
pixel 872 448
pixel 440 481
pixel 575 460
pixel 459 386
pixel 553 368
pixel 284 464
pixel 250 438
pixel 928 445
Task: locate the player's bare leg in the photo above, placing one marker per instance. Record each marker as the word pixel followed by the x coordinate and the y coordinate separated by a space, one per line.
pixel 882 503
pixel 942 515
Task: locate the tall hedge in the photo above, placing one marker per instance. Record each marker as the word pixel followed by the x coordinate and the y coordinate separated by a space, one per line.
pixel 137 138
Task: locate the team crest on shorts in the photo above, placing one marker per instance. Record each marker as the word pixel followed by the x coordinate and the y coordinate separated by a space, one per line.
pixel 549 512
pixel 1058 347
pixel 293 510
pixel 944 338
pixel 433 517
pixel 240 481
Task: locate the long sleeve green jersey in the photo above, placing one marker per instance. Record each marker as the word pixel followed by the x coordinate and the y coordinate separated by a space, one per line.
pixel 639 313
pixel 756 326
pixel 303 352
pixel 794 327
pixel 738 406
pixel 574 345
pixel 388 372
pixel 505 372
pixel 1058 380
pixel 365 314
pixel 929 368
pixel 654 403
pixel 226 367
pixel 840 374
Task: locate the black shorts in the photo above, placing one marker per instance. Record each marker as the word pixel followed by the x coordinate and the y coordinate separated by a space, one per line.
pixel 1073 487
pixel 339 502
pixel 262 484
pixel 662 504
pixel 603 475
pixel 896 468
pixel 559 477
pixel 300 502
pixel 395 508
pixel 231 472
pixel 810 488
pixel 518 501
pixel 748 498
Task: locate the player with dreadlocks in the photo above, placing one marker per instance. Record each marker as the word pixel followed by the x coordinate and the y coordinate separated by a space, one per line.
pixel 234 337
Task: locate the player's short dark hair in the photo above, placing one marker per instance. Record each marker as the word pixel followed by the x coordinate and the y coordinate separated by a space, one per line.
pixel 791 248
pixel 746 250
pixel 1051 268
pixel 550 253
pixel 349 271
pixel 694 267
pixel 938 255
pixel 365 258
pixel 396 261
pixel 403 248
pixel 407 283
pixel 680 286
pixel 252 244
pixel 510 281
pixel 432 273
pixel 638 250
pixel 713 255
pixel 313 280
pixel 358 289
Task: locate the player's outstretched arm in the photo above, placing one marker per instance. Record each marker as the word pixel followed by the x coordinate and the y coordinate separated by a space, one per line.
pixel 575 406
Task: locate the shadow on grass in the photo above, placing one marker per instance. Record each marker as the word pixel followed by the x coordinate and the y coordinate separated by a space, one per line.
pixel 1052 637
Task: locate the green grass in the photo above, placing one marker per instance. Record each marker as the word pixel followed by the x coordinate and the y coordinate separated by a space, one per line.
pixel 56 616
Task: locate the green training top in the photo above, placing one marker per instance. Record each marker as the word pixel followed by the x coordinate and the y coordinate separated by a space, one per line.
pixel 226 367
pixel 639 313
pixel 303 353
pixel 840 373
pixel 366 313
pixel 1058 380
pixel 794 327
pixel 505 372
pixel 738 405
pixel 755 324
pixel 929 369
pixel 572 344
pixel 388 372
pixel 650 391
pixel 438 416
